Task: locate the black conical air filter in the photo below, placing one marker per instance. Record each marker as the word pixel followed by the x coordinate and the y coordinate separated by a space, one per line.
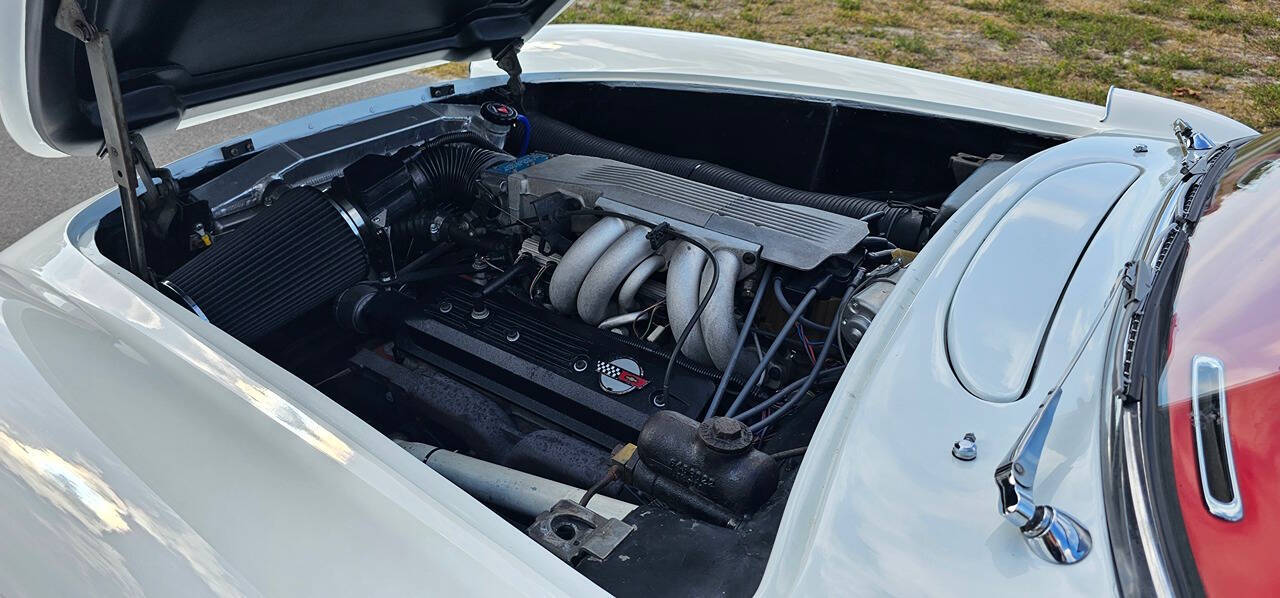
pixel 296 254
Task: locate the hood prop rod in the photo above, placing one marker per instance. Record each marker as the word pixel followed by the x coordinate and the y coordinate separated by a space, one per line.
pixel 119 146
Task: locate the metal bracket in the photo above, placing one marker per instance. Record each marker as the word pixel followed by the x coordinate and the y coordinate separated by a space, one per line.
pixel 573 532
pixel 115 132
pixel 508 59
pixel 1189 138
pixel 158 203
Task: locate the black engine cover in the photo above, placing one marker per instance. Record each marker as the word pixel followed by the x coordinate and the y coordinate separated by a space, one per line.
pixel 600 385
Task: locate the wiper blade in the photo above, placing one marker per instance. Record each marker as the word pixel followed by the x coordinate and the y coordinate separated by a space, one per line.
pixel 1210 168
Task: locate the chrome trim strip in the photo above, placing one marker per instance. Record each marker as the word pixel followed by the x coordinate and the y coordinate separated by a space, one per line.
pixel 1232 510
pixel 190 303
pixel 1143 517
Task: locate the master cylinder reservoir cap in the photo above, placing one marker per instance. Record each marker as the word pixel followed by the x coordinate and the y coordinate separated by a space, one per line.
pixel 498 113
pixel 725 435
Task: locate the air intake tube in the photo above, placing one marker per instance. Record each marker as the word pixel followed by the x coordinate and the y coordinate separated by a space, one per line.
pixel 310 245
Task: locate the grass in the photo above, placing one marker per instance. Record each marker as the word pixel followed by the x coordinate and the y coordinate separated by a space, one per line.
pixel 1220 54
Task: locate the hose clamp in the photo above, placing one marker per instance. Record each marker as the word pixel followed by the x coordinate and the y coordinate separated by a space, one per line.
pixel 172 290
pixel 375 240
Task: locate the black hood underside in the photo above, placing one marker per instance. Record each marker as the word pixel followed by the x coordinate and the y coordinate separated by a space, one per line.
pixel 172 56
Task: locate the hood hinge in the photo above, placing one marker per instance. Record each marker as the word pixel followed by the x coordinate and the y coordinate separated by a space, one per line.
pixel 123 149
pixel 508 59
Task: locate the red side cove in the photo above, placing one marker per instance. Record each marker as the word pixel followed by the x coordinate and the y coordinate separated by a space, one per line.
pixel 1228 306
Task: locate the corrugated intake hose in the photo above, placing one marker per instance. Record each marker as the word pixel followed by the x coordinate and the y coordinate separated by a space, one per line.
pixel 904 225
pixel 449 171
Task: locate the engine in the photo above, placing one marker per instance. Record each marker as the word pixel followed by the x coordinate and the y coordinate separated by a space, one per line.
pixel 596 322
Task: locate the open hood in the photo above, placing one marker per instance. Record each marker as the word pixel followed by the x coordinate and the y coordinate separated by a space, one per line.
pixel 200 59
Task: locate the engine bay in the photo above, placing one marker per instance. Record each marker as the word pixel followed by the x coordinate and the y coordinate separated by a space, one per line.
pixel 621 351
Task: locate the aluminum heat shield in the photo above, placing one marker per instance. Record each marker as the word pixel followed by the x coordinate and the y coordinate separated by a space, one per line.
pixel 789 235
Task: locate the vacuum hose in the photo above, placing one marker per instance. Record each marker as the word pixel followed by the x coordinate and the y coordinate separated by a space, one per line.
pixel 903 226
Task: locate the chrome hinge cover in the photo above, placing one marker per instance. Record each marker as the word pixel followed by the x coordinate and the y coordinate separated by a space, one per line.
pixel 1052 534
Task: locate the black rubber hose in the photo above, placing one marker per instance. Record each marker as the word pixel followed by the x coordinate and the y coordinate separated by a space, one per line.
pixel 446 171
pixel 903 226
pixel 521 266
pixel 789 453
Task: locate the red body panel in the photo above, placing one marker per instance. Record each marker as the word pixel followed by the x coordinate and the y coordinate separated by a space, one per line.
pixel 1228 306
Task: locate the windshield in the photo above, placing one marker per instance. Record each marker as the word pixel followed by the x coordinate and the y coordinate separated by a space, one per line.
pixel 1215 428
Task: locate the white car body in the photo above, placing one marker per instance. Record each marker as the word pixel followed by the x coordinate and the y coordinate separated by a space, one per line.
pixel 127 418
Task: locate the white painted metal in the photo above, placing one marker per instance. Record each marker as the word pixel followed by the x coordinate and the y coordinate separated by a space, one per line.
pixel 162 456
pixel 880 505
pixel 145 452
pixel 632 55
pixel 1009 292
pixel 15 111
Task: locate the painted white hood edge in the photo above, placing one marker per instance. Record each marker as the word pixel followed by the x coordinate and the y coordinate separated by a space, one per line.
pixel 623 54
pixel 145 452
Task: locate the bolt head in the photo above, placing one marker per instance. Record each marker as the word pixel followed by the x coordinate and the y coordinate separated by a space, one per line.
pixel 725 435
pixel 965 449
pixel 724 428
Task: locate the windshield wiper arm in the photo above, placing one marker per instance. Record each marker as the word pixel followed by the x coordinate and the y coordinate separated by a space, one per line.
pixel 1052 534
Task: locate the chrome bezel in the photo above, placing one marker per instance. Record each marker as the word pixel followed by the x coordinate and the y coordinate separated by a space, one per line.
pixel 1232 510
